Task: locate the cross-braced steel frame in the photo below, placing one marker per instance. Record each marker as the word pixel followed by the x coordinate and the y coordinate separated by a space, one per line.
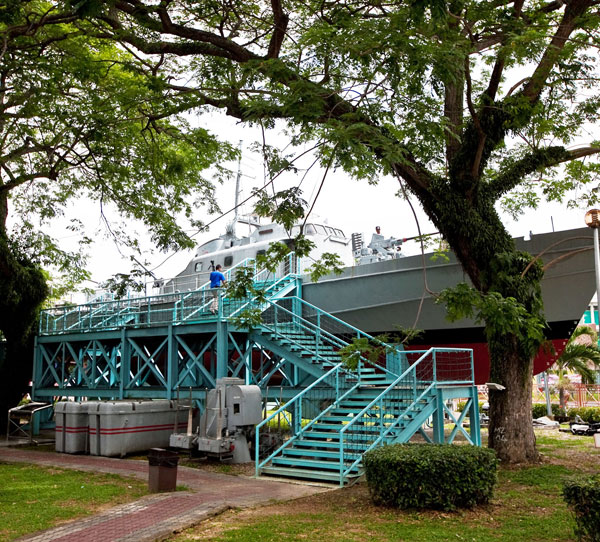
pixel 158 362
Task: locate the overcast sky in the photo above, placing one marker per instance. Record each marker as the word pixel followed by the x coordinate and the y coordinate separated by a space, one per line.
pixel 353 206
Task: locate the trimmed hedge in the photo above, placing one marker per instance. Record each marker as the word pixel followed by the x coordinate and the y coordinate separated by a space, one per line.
pixel 437 476
pixel 539 410
pixel 588 414
pixel 583 498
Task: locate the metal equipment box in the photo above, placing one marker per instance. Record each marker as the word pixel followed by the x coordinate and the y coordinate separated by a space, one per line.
pixel 244 405
pixel 118 428
pixel 72 426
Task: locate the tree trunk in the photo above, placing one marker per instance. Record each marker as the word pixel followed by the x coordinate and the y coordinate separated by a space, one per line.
pixel 511 429
pixel 22 290
pixel 3 211
pixel 15 375
pixel 561 400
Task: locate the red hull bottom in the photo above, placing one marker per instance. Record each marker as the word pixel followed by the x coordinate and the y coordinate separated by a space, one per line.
pixel 481 357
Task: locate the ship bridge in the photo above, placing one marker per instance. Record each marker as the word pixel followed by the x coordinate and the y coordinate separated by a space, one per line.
pixel 177 345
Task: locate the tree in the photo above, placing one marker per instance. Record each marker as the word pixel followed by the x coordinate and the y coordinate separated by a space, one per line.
pixel 465 102
pixel 81 117
pixel 580 355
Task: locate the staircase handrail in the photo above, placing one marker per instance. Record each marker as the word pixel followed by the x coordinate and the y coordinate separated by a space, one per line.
pixel 246 262
pixel 335 369
pixel 107 317
pixel 265 270
pixel 393 425
pixel 306 324
pixel 383 435
pixel 345 324
pixel 410 369
pixel 249 302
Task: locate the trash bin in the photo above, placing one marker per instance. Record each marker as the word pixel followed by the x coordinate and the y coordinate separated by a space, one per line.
pixel 162 470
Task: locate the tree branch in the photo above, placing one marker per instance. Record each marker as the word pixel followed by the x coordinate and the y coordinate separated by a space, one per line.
pixel 538 159
pixel 211 43
pixel 573 11
pixel 281 20
pixel 498 69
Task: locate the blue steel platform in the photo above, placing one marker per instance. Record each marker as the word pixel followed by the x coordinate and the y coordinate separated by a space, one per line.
pixel 173 345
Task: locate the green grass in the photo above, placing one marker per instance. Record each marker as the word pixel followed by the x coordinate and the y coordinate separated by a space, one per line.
pixel 527 507
pixel 34 498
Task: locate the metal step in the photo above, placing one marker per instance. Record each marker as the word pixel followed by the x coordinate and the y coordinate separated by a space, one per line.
pixel 307 474
pixel 317 453
pixel 309 464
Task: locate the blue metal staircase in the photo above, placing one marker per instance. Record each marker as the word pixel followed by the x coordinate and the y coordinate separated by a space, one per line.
pixel 345 413
pixel 152 346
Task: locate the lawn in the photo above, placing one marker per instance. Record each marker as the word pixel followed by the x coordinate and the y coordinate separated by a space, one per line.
pixel 34 498
pixel 527 506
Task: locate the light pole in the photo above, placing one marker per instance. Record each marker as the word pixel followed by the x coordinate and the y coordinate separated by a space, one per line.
pixel 592 220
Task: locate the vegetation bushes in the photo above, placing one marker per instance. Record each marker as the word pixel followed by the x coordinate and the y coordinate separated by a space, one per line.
pixel 540 409
pixel 587 414
pixel 462 404
pixel 437 476
pixel 583 498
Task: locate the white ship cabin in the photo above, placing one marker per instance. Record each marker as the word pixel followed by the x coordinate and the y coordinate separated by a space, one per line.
pixel 229 250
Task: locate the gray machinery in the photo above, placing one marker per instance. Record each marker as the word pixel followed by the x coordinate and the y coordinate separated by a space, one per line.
pixel 232 410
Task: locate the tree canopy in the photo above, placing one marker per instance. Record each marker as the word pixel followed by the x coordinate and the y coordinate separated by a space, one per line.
pixel 465 102
pixel 82 117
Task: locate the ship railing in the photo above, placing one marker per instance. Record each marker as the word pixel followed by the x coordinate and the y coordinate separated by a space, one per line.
pixel 396 409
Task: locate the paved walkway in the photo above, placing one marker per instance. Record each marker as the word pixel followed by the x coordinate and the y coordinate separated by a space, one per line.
pixel 157 516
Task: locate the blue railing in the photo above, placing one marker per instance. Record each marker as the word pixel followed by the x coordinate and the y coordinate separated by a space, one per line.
pixel 400 408
pixel 390 410
pixel 301 403
pixel 293 314
pixel 152 310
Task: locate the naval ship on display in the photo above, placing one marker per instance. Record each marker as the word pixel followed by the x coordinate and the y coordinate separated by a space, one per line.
pixel 380 290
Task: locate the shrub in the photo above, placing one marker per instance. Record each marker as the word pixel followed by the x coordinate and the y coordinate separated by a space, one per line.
pixel 539 409
pixel 438 476
pixel 583 498
pixel 587 414
pixel 462 404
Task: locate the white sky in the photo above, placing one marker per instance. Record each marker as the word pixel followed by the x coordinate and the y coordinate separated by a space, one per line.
pixel 353 206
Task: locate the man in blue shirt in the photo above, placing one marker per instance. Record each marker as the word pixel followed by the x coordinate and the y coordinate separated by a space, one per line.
pixel 217 279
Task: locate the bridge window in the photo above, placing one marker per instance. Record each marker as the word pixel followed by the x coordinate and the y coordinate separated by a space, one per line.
pixel 228 261
pixel 198 267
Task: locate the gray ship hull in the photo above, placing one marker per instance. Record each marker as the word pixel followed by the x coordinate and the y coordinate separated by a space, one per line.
pixel 379 297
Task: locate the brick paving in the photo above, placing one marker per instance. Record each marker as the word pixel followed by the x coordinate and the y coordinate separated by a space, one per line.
pixel 155 517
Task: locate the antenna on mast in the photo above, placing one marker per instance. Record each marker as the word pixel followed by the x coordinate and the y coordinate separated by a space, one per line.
pixel 237 191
